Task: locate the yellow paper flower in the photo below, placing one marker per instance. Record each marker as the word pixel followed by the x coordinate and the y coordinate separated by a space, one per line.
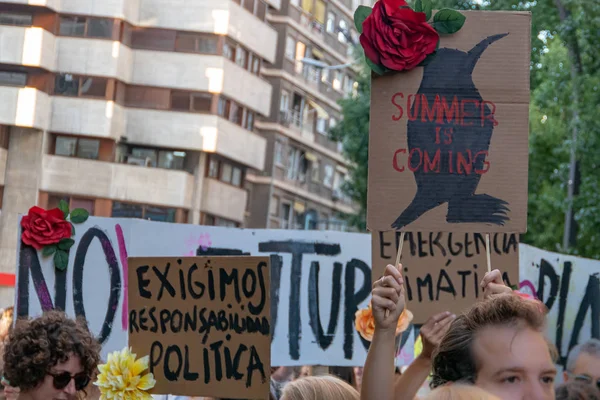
pixel 365 323
pixel 121 377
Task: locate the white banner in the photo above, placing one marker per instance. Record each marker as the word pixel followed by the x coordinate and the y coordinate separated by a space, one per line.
pixel 570 288
pixel 318 281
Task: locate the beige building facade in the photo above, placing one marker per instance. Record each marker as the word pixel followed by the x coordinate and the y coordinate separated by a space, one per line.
pixel 301 184
pixel 132 108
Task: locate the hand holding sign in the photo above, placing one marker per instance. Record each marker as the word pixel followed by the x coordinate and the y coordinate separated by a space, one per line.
pixel 388 298
pixel 492 284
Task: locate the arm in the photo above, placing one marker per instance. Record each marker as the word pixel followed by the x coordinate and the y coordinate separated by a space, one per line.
pixel 408 384
pixel 378 374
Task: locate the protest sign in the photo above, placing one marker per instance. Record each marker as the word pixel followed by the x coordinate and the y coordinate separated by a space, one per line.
pixel 442 271
pixel 448 146
pixel 570 288
pixel 318 281
pixel 204 323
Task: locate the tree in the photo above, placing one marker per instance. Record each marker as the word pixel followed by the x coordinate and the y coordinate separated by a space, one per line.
pixel 554 114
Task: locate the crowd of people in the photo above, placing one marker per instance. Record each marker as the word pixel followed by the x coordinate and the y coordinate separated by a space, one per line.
pixel 495 350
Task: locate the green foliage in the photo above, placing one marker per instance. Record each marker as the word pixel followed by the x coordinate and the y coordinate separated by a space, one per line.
pixel 552 111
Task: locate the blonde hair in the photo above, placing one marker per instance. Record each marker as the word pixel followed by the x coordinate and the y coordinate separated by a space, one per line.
pixel 319 388
pixel 460 392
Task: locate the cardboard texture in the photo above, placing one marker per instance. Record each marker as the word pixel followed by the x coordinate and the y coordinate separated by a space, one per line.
pixel 448 144
pixel 442 271
pixel 204 322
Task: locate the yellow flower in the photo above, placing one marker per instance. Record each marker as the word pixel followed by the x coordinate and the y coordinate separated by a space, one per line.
pixel 121 377
pixel 365 323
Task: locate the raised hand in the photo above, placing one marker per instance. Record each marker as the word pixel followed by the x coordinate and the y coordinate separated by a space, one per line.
pixel 434 330
pixel 388 294
pixel 492 284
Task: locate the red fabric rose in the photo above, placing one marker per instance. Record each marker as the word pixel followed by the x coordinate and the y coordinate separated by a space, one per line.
pixel 397 38
pixel 41 227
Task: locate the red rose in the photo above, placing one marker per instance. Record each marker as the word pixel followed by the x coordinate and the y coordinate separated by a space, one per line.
pixel 397 38
pixel 41 227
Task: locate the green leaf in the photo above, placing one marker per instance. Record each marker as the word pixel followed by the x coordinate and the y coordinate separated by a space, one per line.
pixel 361 13
pixel 427 8
pixel 61 260
pixel 64 207
pixel 66 244
pixel 379 69
pixel 72 229
pixel 418 6
pixel 79 215
pixel 47 251
pixel 514 287
pixel 448 21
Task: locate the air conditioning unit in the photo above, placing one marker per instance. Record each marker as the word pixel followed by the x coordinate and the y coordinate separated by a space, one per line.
pixel 141 161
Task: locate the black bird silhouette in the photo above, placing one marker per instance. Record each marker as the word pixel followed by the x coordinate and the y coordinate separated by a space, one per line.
pixel 449 74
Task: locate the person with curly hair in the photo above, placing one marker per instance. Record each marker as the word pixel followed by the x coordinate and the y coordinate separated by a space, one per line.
pixel 51 358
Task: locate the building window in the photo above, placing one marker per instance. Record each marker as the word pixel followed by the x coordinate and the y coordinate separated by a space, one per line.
pixel 315 171
pixel 180 101
pixel 322 125
pixel 255 68
pixel 17 19
pixel 213 168
pixel 150 157
pixel 229 51
pixel 223 107
pixel 343 30
pixel 274 206
pixel 235 113
pixel 337 80
pixel 77 147
pixel 73 202
pixel 297 165
pixel 284 101
pixel 328 177
pixel 278 153
pixel 249 121
pixel 286 215
pixel 196 43
pixel 212 220
pixel 9 78
pixel 225 172
pixel 241 56
pixel 290 47
pixel 152 213
pixel 88 27
pixel 153 39
pixel 76 86
pixel 332 123
pixel 330 27
pixel 4 136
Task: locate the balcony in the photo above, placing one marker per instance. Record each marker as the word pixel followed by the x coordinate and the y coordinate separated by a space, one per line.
pixel 82 116
pixel 94 57
pixel 223 17
pixel 201 132
pixel 223 200
pixel 26 107
pixel 207 73
pixel 117 181
pixel 34 47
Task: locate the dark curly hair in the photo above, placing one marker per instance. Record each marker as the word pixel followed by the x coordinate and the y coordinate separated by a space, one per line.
pixel 453 361
pixel 37 345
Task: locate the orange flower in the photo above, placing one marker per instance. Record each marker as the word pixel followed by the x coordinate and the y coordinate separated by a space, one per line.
pixel 365 323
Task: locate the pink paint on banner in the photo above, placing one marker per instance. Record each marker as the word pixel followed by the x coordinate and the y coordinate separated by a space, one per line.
pixel 123 255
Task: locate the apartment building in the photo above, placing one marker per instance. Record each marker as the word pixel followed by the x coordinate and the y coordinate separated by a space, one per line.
pixel 300 187
pixel 132 108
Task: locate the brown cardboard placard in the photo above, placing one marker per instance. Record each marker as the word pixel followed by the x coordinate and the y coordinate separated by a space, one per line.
pixel 442 271
pixel 448 148
pixel 204 322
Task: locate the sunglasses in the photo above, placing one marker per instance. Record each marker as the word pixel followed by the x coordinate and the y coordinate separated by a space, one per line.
pixel 62 380
pixel 586 379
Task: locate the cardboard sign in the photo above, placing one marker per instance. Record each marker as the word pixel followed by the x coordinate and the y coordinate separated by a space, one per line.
pixel 448 142
pixel 442 271
pixel 204 322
